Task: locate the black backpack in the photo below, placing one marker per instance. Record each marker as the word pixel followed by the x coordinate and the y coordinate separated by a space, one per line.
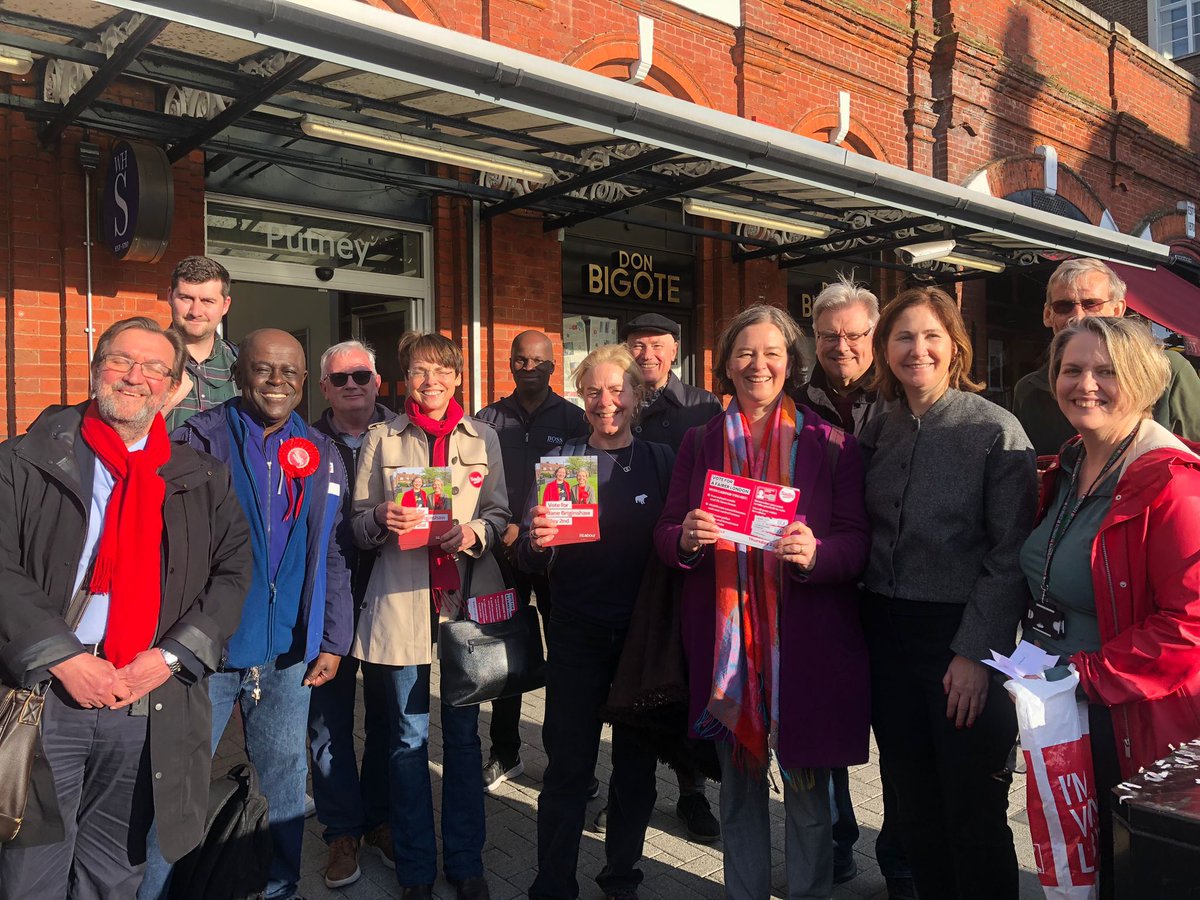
pixel 233 859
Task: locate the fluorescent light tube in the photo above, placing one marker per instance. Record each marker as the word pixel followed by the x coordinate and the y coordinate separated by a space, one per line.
pixel 745 216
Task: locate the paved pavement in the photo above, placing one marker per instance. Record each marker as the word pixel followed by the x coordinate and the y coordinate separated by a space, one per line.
pixel 675 868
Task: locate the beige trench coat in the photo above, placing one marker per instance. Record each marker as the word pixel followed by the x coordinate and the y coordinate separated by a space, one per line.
pixel 394 625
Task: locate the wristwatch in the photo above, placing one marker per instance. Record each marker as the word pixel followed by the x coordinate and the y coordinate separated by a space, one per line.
pixel 171 660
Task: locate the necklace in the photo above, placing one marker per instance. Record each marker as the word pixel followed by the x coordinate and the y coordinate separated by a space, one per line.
pixel 617 462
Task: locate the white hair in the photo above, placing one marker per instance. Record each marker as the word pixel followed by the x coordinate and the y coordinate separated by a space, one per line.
pixel 842 293
pixel 346 347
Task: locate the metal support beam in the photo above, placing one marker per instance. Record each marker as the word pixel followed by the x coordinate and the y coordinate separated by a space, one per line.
pixel 102 78
pixel 849 251
pixel 714 177
pixel 836 238
pixel 297 68
pixel 650 158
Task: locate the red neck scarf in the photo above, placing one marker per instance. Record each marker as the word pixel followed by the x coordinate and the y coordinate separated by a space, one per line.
pixel 443 571
pixel 129 557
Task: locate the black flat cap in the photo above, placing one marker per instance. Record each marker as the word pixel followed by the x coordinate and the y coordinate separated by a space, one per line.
pixel 651 323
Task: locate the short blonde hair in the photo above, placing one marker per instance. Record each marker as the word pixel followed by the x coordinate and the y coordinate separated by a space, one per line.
pixel 946 310
pixel 619 356
pixel 1139 361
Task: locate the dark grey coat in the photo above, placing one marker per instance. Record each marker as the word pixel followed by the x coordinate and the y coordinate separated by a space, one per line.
pixel 44 499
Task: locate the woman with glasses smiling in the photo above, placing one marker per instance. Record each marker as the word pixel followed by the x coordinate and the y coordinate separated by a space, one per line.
pixel 410 591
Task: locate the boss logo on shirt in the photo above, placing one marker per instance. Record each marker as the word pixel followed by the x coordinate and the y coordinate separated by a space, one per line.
pixel 554 440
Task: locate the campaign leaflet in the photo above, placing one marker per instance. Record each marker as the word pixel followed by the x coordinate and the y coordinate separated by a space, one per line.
pixel 427 488
pixel 567 486
pixel 747 511
pixel 490 608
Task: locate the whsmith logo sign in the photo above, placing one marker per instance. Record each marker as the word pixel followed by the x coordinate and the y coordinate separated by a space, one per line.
pixel 635 275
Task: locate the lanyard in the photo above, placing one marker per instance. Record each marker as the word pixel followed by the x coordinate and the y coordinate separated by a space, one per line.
pixel 1065 516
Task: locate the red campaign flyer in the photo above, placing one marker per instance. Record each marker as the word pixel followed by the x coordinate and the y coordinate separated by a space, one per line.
pixel 427 488
pixel 567 486
pixel 747 511
pixel 492 607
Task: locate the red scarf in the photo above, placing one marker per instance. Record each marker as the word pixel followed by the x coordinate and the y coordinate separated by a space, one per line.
pixel 129 557
pixel 443 570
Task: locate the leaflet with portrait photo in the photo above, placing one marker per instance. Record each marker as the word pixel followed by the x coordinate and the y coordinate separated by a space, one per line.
pixel 749 512
pixel 567 487
pixel 428 488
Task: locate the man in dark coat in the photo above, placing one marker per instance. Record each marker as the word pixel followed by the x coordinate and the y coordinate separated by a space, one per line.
pixel 126 720
pixel 668 411
pixel 531 422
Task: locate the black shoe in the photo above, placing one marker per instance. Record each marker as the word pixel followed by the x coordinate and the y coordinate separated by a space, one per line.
pixel 594 789
pixel 844 871
pixel 473 888
pixel 702 825
pixel 496 772
pixel 417 892
pixel 600 826
pixel 902 889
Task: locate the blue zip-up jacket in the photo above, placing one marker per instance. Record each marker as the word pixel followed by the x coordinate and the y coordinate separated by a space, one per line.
pixel 326 609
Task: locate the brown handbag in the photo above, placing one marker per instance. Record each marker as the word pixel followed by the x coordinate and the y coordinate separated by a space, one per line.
pixel 20 734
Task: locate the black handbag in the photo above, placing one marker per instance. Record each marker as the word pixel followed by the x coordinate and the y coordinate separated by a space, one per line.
pixel 20 735
pixel 481 663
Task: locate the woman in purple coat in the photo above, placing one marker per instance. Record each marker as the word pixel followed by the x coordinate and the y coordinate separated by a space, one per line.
pixel 777 665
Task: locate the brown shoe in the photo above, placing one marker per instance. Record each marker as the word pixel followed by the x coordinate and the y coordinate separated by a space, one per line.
pixel 343 862
pixel 379 839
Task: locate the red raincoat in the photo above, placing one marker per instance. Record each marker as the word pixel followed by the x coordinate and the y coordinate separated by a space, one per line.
pixel 1146 579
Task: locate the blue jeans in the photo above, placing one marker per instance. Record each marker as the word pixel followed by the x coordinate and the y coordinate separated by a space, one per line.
pixel 463 829
pixel 273 731
pixel 347 803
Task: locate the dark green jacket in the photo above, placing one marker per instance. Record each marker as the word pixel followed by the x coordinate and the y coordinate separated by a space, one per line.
pixel 1177 410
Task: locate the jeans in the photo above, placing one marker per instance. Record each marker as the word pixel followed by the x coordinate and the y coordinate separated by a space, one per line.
pixel 463 826
pixel 273 731
pixel 746 831
pixel 845 824
pixel 579 671
pixel 349 803
pixel 100 759
pixel 950 786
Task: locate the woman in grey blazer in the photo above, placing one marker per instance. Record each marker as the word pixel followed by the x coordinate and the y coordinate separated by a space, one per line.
pixel 951 492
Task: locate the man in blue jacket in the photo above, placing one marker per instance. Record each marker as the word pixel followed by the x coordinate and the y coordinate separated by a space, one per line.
pixel 297 618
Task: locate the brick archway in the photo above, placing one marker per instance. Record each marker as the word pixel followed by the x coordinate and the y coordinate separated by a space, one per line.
pixel 1169 226
pixel 421 10
pixel 612 57
pixel 821 123
pixel 1011 175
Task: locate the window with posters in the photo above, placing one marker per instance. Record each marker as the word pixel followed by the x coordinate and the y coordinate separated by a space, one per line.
pixel 613 273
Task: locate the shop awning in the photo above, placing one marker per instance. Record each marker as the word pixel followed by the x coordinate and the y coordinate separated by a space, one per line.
pixel 613 149
pixel 1162 296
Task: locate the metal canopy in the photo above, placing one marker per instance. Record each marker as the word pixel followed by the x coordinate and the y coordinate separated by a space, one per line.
pixel 238 75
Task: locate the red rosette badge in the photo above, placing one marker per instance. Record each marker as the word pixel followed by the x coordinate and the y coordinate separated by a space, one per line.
pixel 298 458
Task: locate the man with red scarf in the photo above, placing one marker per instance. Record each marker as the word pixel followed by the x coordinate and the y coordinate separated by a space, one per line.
pixel 297 618
pixel 124 560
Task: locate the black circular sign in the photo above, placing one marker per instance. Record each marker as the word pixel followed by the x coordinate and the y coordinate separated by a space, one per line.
pixel 139 202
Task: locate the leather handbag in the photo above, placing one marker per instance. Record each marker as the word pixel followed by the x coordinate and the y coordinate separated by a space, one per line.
pixel 20 735
pixel 481 663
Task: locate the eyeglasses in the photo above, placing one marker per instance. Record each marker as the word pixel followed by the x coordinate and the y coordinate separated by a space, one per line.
pixel 525 362
pixel 151 371
pixel 833 338
pixel 1066 307
pixel 429 374
pixel 360 376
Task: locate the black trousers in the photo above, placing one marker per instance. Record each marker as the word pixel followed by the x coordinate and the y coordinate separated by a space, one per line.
pixel 1106 766
pixel 505 729
pixel 579 671
pixel 101 764
pixel 951 787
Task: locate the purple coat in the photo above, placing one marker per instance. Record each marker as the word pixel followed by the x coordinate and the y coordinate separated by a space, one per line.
pixel 824 705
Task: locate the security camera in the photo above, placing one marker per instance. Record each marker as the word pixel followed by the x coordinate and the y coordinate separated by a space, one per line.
pixel 324 273
pixel 922 253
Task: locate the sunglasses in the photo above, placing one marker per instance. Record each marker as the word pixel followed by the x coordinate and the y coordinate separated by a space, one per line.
pixel 1066 307
pixel 360 376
